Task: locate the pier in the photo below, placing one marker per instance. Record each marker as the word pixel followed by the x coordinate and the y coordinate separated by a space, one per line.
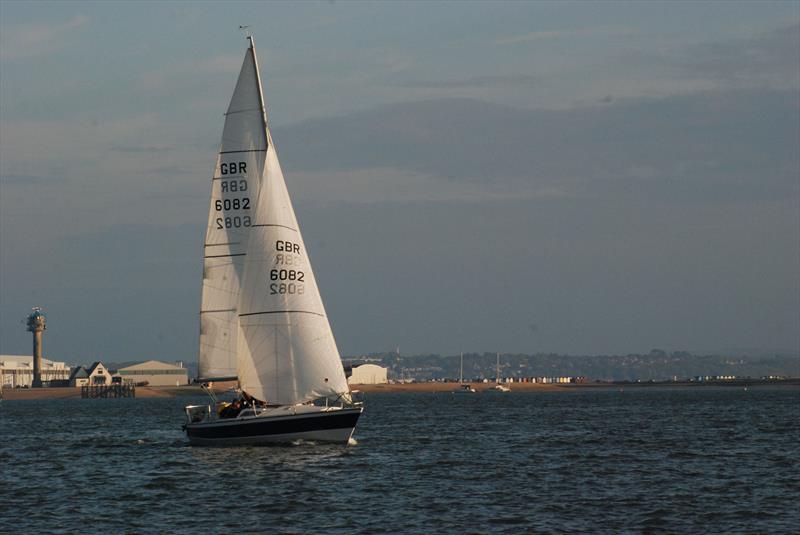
pixel 124 390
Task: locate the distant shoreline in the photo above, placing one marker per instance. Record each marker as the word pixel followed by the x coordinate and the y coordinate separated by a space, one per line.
pixel 563 387
pixel 147 392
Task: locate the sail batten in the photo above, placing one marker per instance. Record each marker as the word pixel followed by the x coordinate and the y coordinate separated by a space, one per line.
pixel 274 225
pixel 242 111
pixel 282 312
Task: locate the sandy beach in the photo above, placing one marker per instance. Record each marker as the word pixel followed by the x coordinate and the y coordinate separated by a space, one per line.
pixel 191 390
pixel 450 387
pixel 173 391
pixel 75 392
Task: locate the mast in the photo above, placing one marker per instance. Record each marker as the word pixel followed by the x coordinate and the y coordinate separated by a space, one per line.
pixel 260 88
pixel 461 373
pixel 497 376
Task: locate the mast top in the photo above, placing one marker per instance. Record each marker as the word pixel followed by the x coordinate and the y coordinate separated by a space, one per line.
pixel 248 35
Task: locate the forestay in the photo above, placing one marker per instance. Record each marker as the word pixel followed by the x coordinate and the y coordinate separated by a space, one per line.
pixel 234 191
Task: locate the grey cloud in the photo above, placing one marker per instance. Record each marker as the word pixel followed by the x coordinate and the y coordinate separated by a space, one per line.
pixel 474 82
pixel 142 150
pixel 593 274
pixel 702 143
pixel 769 59
pixel 143 280
pixel 36 39
pixel 26 180
pixel 568 33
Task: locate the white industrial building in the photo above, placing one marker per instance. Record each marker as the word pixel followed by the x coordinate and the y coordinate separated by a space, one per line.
pixel 17 371
pixel 155 373
pixel 368 374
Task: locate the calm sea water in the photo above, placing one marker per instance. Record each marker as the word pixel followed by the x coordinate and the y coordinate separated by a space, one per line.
pixel 696 460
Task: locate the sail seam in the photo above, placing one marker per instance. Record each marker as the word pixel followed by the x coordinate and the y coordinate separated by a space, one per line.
pixel 243 111
pixel 283 312
pixel 248 150
pixel 219 244
pixel 218 310
pixel 275 225
pixel 225 255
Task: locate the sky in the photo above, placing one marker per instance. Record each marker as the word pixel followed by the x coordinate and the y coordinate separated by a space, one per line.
pixel 571 177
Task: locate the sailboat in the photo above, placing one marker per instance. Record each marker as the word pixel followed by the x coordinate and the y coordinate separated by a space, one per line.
pixel 465 387
pixel 499 387
pixel 262 321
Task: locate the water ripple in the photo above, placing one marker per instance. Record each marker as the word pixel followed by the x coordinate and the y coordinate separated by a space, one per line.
pixel 653 461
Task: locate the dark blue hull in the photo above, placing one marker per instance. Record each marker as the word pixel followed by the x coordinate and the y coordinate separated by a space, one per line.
pixel 334 425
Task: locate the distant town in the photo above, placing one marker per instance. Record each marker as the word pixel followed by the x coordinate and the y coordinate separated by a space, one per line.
pixel 656 365
pixel 16 371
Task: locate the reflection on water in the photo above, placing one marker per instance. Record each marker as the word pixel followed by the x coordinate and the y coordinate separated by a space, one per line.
pixel 640 460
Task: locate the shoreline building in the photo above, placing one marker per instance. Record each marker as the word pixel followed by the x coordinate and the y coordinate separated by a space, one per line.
pixel 17 371
pixel 98 374
pixel 154 373
pixel 79 377
pixel 368 374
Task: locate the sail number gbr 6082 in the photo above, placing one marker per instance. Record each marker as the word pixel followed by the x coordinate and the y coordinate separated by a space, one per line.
pixel 235 203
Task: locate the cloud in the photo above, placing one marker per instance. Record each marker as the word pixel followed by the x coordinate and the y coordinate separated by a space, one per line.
pixel 35 39
pixel 24 180
pixel 570 32
pixel 168 78
pixel 97 171
pixel 380 185
pixel 475 81
pixel 770 59
pixel 142 150
pixel 715 145
pixel 219 64
pixel 69 140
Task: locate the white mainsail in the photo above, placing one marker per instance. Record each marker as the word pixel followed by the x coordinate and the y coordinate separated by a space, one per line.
pixel 234 190
pixel 287 353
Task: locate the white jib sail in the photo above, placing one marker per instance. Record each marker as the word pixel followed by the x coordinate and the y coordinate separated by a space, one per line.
pixel 234 191
pixel 287 353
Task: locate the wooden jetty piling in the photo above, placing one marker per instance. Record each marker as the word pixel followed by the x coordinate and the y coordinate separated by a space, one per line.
pixel 109 391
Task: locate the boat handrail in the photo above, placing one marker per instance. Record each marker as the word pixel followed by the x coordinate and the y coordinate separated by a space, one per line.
pixel 198 413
